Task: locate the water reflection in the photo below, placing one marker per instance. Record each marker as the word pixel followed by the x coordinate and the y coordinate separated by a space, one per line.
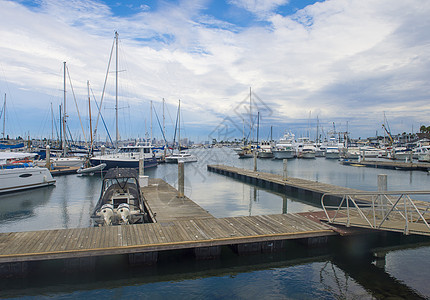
pixel 21 205
pixel 297 273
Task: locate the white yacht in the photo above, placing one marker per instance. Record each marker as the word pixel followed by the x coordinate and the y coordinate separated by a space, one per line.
pixel 284 148
pixel 332 148
pixel 265 150
pixel 182 156
pixel 422 151
pixel 127 157
pixel 17 172
pixel 304 148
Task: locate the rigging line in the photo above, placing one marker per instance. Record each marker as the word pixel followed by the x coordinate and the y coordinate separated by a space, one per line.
pixel 104 88
pixel 95 130
pixel 176 127
pixel 158 120
pixel 76 104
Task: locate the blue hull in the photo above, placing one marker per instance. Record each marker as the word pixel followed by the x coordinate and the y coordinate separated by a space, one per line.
pixel 148 163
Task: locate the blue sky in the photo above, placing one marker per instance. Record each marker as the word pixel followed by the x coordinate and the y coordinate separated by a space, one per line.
pixel 343 61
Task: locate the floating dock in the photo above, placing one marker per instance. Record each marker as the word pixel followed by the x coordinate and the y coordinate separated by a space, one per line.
pixel 394 165
pixel 310 188
pixel 179 224
pixel 64 171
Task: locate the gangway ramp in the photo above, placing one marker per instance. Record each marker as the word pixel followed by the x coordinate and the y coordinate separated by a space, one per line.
pixel 389 210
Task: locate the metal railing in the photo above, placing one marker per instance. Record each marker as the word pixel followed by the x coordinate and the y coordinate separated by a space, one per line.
pixel 390 210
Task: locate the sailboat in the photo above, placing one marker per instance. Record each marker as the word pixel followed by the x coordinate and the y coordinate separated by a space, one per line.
pixel 128 156
pixel 183 155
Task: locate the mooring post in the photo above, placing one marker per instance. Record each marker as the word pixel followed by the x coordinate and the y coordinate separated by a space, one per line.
pixel 103 150
pixel 180 179
pixel 382 187
pixel 141 166
pixel 48 157
pixel 285 174
pixel 255 160
pixel 143 180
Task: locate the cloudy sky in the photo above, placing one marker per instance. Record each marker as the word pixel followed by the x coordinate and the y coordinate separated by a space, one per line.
pixel 342 61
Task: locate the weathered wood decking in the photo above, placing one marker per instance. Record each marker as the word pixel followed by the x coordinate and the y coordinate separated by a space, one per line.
pixel 192 233
pixel 163 201
pixel 180 224
pixel 393 164
pixel 313 188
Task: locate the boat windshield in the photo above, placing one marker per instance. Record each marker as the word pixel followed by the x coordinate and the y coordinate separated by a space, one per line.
pixel 134 150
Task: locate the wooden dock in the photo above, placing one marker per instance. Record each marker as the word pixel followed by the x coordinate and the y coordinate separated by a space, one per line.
pixel 276 182
pixel 180 224
pixel 63 171
pixel 165 205
pixel 138 238
pixel 394 165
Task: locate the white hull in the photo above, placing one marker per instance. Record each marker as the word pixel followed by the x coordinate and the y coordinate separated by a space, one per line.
pixel 265 155
pixel 174 159
pixel 332 155
pixel 63 162
pixel 91 169
pixel 283 154
pixel 24 178
pixel 424 157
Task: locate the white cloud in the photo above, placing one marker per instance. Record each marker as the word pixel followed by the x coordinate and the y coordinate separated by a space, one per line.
pixel 333 57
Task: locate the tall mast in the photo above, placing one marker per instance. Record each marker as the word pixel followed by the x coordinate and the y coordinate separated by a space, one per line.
pixel 250 116
pixel 164 131
pixel 116 88
pixel 52 125
pixel 4 117
pixel 89 113
pixel 150 119
pixel 64 113
pixel 179 126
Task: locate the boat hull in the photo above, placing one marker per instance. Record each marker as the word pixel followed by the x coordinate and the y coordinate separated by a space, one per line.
pixel 174 160
pixel 18 179
pixel 265 155
pixel 283 154
pixel 123 163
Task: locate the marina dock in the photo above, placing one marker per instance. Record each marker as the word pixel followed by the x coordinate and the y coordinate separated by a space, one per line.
pixel 277 182
pixel 179 224
pixel 394 165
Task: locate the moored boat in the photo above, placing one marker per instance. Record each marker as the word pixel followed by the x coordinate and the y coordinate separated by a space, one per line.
pixel 17 172
pixel 120 202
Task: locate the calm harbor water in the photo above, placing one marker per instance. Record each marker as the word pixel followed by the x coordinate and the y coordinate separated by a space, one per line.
pixel 298 273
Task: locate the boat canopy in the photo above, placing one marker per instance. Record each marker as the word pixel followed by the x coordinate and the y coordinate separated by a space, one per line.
pixel 5 156
pixel 116 173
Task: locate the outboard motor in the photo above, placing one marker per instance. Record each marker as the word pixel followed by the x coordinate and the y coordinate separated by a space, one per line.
pixel 107 212
pixel 123 212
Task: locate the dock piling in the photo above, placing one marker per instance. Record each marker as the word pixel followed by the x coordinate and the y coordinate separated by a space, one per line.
pixel 48 157
pixel 143 180
pixel 382 187
pixel 285 173
pixel 255 161
pixel 180 179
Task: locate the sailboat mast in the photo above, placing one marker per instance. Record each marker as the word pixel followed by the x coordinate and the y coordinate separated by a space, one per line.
pixel 150 119
pixel 4 117
pixel 164 131
pixel 179 126
pixel 116 88
pixel 52 124
pixel 89 114
pixel 64 114
pixel 250 117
